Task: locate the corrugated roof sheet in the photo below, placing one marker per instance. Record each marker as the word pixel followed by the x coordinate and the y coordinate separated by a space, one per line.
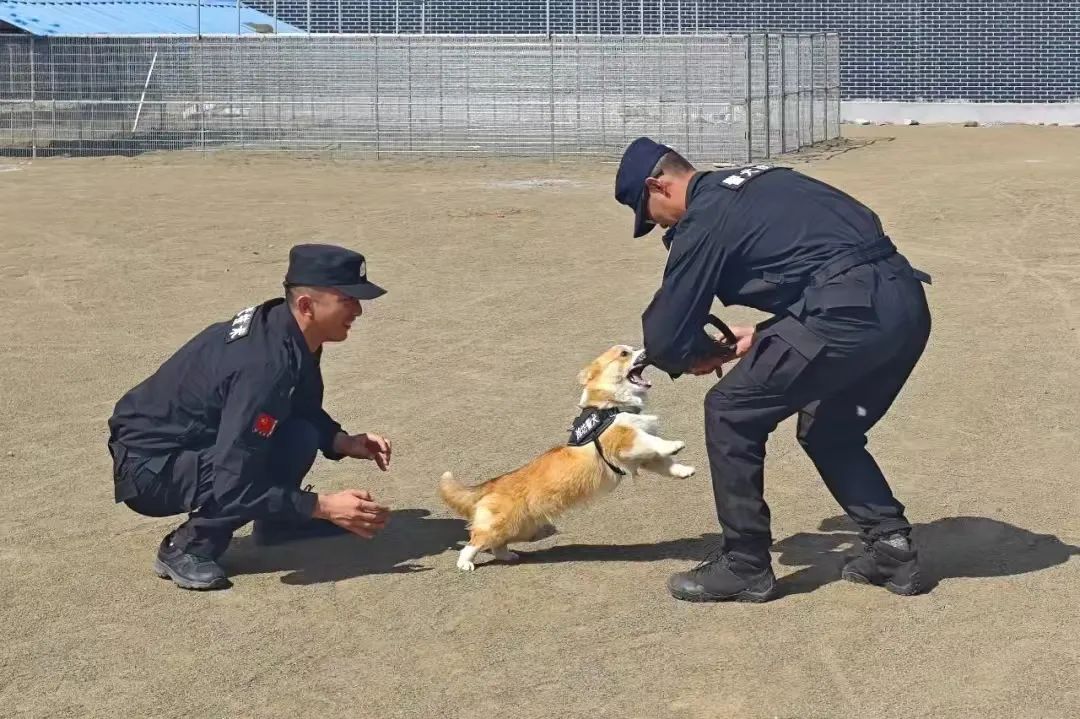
pixel 143 17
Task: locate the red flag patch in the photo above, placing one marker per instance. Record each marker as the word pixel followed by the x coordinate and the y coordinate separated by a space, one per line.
pixel 264 425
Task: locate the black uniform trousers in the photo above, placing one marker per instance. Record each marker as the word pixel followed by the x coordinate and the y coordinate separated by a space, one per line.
pixel 183 482
pixel 839 362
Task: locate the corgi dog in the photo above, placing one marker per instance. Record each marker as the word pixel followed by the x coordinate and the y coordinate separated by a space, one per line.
pixel 610 439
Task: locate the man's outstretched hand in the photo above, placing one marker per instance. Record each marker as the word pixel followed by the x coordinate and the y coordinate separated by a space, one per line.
pixel 354 510
pixel 364 446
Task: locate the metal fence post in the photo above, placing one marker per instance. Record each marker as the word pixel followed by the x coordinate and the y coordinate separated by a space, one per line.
pixel 33 103
pixel 409 76
pixel 783 95
pixel 798 92
pixel 551 84
pixel 686 90
pixel 839 85
pixel 813 92
pixel 825 87
pixel 768 105
pixel 749 104
pixel 238 18
pixel 378 134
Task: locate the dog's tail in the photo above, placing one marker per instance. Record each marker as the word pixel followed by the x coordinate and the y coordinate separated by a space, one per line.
pixel 458 497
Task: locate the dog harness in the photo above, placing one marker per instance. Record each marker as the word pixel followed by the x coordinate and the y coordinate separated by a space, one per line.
pixel 588 427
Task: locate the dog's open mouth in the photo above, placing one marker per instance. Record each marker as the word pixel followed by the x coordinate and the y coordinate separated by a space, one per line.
pixel 636 376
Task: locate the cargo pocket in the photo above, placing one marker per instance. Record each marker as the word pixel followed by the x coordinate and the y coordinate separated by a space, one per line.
pixel 148 494
pixel 782 354
pixel 841 300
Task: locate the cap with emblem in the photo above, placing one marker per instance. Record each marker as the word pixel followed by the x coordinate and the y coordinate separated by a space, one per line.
pixel 637 164
pixel 331 266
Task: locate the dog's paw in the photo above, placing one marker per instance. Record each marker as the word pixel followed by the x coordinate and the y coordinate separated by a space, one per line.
pixel 465 565
pixel 543 532
pixel 676 447
pixel 682 471
pixel 502 554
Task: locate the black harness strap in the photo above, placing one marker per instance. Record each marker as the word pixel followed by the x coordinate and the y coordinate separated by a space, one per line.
pixel 616 470
pixel 588 427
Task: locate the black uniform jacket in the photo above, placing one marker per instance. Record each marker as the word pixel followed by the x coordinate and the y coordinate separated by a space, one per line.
pixel 224 394
pixel 755 237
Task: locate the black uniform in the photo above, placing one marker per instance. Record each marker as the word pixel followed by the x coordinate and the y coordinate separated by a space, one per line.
pixel 227 426
pixel 850 322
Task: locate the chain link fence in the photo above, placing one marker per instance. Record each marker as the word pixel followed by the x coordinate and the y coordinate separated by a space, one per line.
pixel 717 98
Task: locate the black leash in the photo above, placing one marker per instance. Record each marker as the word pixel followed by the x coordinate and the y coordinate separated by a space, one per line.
pixel 728 346
pixel 730 340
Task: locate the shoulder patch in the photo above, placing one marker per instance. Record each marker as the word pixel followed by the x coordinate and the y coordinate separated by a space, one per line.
pixel 241 324
pixel 737 179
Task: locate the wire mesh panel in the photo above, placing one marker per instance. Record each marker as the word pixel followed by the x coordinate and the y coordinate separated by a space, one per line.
pixel 560 17
pixel 718 98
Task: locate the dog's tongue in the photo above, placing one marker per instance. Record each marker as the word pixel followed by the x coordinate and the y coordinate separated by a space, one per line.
pixel 636 375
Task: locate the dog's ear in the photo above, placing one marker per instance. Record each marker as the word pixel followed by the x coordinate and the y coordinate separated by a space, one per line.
pixel 586 375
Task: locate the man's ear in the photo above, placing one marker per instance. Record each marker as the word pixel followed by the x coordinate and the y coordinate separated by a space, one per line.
pixel 303 304
pixel 659 184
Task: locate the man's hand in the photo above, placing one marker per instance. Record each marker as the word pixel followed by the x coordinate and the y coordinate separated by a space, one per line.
pixel 364 446
pixel 744 339
pixel 352 509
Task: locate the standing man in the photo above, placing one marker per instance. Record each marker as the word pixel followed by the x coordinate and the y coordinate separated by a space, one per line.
pixel 850 321
pixel 228 426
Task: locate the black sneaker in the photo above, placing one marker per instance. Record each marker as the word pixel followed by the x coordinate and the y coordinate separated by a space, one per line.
pixel 720 579
pixel 270 532
pixel 889 562
pixel 188 571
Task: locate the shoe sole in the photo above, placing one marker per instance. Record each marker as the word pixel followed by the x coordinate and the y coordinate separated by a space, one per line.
pixel 163 571
pixel 903 590
pixel 743 596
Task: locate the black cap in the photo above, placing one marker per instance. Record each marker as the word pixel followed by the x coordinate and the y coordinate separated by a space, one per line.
pixel 637 164
pixel 331 266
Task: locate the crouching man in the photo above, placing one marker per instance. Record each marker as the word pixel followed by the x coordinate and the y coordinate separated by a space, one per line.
pixel 227 428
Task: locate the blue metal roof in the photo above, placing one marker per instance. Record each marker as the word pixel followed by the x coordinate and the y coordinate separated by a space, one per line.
pixel 140 17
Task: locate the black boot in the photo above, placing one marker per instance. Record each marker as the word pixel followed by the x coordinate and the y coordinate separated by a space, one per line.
pixel 188 571
pixel 889 562
pixel 269 532
pixel 721 578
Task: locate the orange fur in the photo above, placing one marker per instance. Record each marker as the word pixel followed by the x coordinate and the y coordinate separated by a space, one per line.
pixel 514 507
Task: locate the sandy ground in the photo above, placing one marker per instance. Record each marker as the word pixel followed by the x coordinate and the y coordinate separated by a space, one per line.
pixel 502 287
